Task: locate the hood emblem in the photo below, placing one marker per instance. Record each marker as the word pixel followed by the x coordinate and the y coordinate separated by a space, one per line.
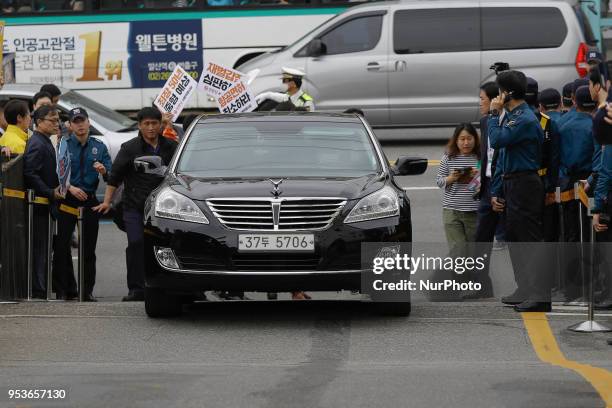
pixel 276 192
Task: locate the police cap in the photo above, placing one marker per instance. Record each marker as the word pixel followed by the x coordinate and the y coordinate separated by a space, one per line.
pixel 77 113
pixel 583 98
pixel 594 56
pixel 550 98
pixel 292 73
pixel 578 83
pixel 531 95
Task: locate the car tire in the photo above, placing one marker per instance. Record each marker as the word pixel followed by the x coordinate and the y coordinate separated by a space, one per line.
pixel 400 309
pixel 158 303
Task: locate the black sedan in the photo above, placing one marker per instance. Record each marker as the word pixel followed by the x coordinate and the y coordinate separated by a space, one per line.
pixel 272 202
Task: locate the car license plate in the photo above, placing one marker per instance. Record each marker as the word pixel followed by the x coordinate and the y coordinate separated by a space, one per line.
pixel 274 242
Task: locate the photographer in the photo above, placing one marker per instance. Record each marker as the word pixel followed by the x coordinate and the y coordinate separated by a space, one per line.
pixel 520 137
pixel 458 175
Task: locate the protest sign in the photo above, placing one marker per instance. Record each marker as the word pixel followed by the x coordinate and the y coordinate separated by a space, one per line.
pixel 216 79
pixel 238 99
pixel 176 92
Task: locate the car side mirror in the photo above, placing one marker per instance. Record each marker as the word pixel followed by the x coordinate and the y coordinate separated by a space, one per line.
pixel 149 165
pixel 316 48
pixel 409 166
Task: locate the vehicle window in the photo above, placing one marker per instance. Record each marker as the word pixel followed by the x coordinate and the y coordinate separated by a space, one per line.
pixel 359 34
pixel 436 30
pixel 278 149
pixel 506 28
pixel 585 26
pixel 106 117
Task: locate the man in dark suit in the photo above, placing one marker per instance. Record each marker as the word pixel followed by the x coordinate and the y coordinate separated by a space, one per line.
pixel 40 175
pixel 487 218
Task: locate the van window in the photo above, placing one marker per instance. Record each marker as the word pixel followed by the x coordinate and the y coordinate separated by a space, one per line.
pixel 359 34
pixel 436 30
pixel 507 28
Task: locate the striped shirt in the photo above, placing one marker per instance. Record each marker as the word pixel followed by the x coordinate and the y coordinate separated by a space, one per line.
pixel 457 196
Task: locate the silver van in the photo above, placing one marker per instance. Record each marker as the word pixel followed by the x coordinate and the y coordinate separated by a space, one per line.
pixel 420 63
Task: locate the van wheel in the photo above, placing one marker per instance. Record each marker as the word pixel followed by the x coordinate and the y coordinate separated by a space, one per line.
pixel 158 303
pixel 400 309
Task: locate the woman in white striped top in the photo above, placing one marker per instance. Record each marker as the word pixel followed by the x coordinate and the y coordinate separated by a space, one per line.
pixel 458 175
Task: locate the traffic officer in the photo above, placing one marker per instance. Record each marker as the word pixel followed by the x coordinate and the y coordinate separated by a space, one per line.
pixel 520 136
pixel 292 84
pixel 89 159
pixel 40 175
pixel 577 151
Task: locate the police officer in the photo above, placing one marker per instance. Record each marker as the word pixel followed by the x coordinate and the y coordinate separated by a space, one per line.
pixel 550 103
pixel 595 60
pixel 488 219
pixel 520 136
pixel 577 151
pixel 293 93
pixel 549 169
pixel 567 101
pixel 89 159
pixel 576 84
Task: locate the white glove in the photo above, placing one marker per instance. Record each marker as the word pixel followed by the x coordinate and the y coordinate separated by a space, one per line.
pixel 275 96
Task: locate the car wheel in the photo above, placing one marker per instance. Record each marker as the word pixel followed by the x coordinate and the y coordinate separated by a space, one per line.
pixel 158 303
pixel 392 308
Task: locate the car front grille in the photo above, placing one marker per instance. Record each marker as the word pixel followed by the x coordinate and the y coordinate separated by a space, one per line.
pixel 276 214
pixel 275 262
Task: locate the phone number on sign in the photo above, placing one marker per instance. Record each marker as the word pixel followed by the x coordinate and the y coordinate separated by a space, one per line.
pixel 37 394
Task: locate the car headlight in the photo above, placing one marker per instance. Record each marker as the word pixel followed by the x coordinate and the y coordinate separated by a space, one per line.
pixel 380 204
pixel 170 204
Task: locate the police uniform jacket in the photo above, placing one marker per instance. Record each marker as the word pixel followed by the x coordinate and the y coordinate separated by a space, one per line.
pixel 521 137
pixel 604 181
pixel 82 159
pixel 555 116
pixel 566 116
pixel 40 166
pixel 138 186
pixel 577 146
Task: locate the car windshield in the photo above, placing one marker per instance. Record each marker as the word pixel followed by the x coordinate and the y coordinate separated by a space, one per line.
pixel 106 117
pixel 261 149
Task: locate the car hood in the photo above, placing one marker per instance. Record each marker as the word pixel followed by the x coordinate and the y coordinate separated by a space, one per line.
pixel 349 188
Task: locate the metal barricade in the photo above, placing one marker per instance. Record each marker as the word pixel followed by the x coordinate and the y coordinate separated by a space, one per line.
pixel 17 212
pixel 590 325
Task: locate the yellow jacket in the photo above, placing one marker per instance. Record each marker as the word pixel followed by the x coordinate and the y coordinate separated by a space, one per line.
pixel 15 139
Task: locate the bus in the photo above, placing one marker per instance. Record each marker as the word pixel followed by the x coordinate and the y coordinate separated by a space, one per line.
pixel 121 52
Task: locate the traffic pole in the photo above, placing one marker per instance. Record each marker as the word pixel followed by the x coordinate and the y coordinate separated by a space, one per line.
pixel 590 325
pixel 30 197
pixel 50 234
pixel 81 256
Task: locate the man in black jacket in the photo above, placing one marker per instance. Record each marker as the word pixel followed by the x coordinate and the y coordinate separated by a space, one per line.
pixel 40 175
pixel 137 187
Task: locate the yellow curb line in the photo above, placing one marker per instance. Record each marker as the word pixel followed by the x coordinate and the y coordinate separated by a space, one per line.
pixel 546 347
